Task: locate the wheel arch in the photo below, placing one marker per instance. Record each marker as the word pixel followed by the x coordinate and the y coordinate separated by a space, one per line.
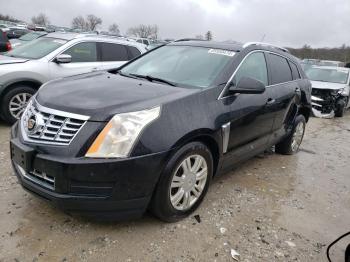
pixel 24 81
pixel 305 111
pixel 209 138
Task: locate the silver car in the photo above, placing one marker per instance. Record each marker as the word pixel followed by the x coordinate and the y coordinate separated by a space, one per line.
pixel 330 90
pixel 24 69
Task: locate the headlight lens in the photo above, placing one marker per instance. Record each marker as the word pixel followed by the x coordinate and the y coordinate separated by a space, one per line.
pixel 341 91
pixel 120 134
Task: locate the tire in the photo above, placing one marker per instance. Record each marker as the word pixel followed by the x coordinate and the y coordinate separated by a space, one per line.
pixel 18 95
pixel 341 109
pixel 163 205
pixel 287 146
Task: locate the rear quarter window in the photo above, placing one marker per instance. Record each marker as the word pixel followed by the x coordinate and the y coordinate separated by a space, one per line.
pixel 295 71
pixel 279 69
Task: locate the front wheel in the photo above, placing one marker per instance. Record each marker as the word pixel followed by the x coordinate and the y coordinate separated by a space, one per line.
pixel 14 102
pixel 183 183
pixel 290 145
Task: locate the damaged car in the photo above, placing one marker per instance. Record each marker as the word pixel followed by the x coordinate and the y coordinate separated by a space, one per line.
pixel 330 90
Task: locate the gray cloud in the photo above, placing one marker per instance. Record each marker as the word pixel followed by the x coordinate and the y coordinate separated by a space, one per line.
pixel 284 22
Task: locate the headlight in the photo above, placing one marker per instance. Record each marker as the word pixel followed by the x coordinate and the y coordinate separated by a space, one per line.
pixel 120 134
pixel 341 91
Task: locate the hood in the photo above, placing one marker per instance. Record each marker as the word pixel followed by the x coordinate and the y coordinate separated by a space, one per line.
pixel 5 60
pixel 327 85
pixel 101 95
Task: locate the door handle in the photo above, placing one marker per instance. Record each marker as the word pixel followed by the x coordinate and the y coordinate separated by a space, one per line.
pixel 270 101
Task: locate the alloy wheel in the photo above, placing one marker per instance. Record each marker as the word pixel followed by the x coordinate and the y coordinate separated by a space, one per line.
pixel 188 182
pixel 18 103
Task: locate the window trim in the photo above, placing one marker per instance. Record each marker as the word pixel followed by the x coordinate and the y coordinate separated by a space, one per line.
pixel 221 95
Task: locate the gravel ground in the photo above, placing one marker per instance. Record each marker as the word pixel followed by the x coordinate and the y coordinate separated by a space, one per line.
pixel 271 208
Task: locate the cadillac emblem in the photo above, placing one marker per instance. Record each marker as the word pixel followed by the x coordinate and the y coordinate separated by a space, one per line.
pixel 31 123
pixel 34 123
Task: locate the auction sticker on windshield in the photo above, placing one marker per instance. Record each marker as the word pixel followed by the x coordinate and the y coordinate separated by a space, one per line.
pixel 221 52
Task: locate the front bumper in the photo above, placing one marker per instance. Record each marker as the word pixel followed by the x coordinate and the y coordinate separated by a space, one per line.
pixel 318 108
pixel 103 188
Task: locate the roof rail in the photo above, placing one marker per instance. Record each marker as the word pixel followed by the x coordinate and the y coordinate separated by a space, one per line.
pixel 265 44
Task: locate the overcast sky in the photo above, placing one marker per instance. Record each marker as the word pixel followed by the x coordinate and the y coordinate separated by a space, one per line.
pixel 285 22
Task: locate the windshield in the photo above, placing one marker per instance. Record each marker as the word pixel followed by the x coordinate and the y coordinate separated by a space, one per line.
pixel 29 36
pixel 335 75
pixel 182 65
pixel 37 48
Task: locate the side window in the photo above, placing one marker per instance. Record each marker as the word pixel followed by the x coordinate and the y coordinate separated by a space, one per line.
pixel 83 52
pixel 280 70
pixel 133 52
pixel 114 52
pixel 254 66
pixel 139 41
pixel 295 71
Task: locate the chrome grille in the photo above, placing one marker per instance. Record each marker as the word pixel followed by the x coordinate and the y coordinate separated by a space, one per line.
pixel 52 126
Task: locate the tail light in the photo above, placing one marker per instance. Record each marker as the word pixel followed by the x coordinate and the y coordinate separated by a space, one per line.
pixel 8 46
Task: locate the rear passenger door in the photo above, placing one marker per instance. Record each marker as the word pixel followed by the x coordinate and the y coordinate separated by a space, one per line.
pixel 115 55
pixel 284 84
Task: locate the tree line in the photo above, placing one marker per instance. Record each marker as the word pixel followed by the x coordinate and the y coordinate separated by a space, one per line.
pixel 341 53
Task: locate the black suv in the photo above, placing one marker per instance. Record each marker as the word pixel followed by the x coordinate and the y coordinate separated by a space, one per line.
pixel 153 133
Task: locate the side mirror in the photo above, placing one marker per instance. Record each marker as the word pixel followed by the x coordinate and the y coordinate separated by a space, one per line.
pixel 63 59
pixel 247 85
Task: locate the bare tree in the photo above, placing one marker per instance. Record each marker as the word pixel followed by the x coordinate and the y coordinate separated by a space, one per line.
pixel 41 19
pixel 144 31
pixel 209 36
pixel 79 23
pixel 8 18
pixel 93 22
pixel 114 28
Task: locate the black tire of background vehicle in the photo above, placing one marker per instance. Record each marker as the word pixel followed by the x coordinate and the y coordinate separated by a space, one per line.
pixel 161 205
pixel 285 146
pixel 341 109
pixel 5 112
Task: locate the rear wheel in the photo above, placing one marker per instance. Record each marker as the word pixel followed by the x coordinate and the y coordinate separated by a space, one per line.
pixel 14 102
pixel 183 183
pixel 290 145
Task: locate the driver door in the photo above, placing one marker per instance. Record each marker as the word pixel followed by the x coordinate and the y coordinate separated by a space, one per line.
pixel 251 131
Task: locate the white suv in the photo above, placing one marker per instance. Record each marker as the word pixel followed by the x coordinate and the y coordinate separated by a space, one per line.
pixel 25 69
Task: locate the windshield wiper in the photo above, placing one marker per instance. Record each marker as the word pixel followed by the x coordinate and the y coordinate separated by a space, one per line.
pixel 153 78
pixel 124 74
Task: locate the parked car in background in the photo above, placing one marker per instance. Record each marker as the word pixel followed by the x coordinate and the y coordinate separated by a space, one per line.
pixel 26 38
pixel 4 28
pixel 153 134
pixel 330 90
pixel 331 63
pixel 24 69
pixel 144 41
pixel 5 44
pixel 16 32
